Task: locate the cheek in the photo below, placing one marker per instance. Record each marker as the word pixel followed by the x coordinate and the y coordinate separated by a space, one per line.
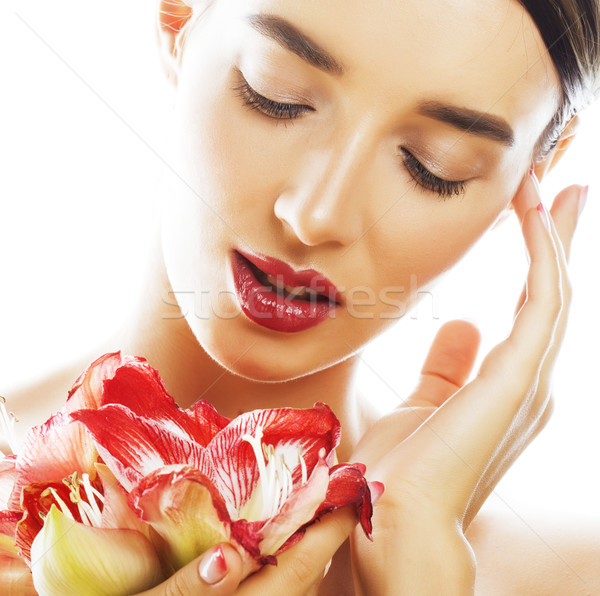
pixel 422 237
pixel 229 156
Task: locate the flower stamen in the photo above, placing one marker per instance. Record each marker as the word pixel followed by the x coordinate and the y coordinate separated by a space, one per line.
pixel 275 477
pixel 89 510
pixel 302 467
pixel 255 443
pixel 62 505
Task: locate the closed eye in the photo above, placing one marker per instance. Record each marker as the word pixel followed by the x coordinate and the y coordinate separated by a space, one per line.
pixel 268 107
pixel 445 189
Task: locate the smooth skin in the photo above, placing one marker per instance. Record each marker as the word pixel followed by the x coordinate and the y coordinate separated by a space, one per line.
pixel 331 191
pixel 438 453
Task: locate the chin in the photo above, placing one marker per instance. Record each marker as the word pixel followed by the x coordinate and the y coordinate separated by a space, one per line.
pixel 263 357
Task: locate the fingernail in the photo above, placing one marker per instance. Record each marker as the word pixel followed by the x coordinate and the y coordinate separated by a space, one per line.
pixel 213 567
pixel 583 195
pixel 544 216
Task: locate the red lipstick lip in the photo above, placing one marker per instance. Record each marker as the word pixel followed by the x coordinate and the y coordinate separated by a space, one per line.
pixel 271 306
pixel 308 278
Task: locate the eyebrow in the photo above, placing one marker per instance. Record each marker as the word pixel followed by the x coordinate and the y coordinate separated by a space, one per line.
pixel 291 38
pixel 470 121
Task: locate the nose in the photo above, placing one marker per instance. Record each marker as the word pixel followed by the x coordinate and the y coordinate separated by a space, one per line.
pixel 327 201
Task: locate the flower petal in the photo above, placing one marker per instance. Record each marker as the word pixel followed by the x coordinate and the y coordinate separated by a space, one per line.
pixel 87 390
pixel 133 446
pixel 246 537
pixel 71 558
pixel 205 422
pixel 348 486
pixel 183 507
pixel 130 381
pixel 304 430
pixel 8 524
pixel 138 387
pixel 116 512
pixel 50 452
pixel 298 510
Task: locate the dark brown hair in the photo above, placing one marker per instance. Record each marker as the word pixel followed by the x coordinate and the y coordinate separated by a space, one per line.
pixel 570 30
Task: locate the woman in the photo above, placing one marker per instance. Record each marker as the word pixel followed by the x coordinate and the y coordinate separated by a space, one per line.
pixel 357 153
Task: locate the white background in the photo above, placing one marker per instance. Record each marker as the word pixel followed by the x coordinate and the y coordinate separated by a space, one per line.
pixel 81 109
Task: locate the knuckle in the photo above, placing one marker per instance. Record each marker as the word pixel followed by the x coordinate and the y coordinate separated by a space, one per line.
pixel 567 290
pixel 302 571
pixel 341 524
pixel 554 302
pixel 177 586
pixel 544 418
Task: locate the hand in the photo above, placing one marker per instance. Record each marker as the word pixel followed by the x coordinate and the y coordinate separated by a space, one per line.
pixel 299 570
pixel 439 473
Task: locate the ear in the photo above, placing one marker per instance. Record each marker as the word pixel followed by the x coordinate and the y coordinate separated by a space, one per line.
pixel 172 17
pixel 541 168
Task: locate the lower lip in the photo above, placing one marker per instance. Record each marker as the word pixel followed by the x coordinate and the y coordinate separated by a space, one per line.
pixel 271 310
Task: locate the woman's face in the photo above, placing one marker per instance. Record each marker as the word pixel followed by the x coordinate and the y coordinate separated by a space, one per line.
pixel 372 142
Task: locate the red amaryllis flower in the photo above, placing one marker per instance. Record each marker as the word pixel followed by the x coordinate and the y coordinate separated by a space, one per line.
pixel 125 486
pixel 199 478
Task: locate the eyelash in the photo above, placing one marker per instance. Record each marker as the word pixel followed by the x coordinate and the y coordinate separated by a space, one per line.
pixel 270 108
pixel 445 189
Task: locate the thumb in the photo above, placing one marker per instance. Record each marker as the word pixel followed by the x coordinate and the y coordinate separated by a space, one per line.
pixel 217 572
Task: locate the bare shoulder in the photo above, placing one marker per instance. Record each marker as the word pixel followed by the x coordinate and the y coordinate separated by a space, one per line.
pixel 534 553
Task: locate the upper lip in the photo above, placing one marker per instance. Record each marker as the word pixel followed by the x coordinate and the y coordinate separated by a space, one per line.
pixel 308 278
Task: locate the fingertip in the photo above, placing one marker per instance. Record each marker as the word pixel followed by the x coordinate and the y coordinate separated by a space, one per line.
pixel 533 217
pixel 569 203
pixel 544 216
pixel 220 567
pixel 471 324
pixel 527 197
pixel 466 330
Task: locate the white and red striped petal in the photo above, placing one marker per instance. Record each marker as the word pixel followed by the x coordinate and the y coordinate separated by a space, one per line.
pixel 133 446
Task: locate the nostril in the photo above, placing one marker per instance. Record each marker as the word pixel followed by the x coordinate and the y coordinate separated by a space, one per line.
pixel 315 225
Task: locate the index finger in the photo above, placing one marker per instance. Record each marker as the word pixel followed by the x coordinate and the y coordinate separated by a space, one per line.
pixel 301 568
pixel 467 431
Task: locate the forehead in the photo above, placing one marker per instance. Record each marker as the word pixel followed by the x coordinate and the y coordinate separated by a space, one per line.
pixel 485 55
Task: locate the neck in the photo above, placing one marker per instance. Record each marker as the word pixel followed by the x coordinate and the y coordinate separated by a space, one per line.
pixel 158 332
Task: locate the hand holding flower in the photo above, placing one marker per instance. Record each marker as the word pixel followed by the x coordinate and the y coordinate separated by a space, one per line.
pixel 140 487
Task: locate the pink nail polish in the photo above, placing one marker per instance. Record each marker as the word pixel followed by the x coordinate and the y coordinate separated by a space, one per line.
pixel 544 216
pixel 583 195
pixel 213 567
